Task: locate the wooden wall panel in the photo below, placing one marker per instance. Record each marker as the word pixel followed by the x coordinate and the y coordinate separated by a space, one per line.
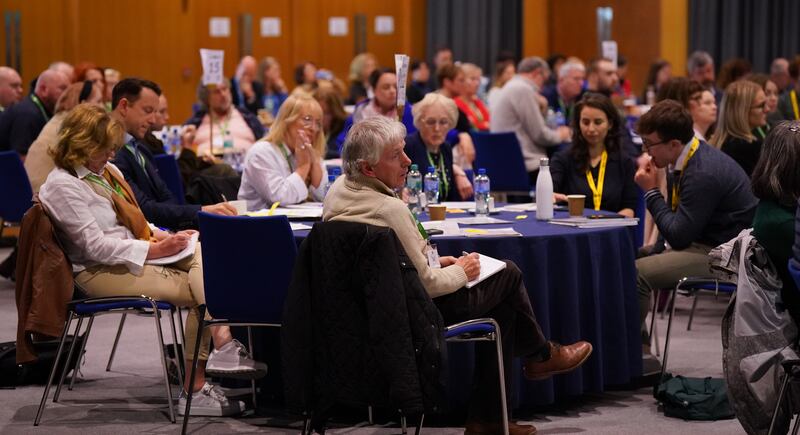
pixel 535 28
pixel 159 39
pixel 675 33
pixel 636 28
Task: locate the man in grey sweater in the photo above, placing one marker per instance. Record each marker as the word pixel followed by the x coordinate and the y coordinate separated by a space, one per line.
pixel 709 200
pixel 517 109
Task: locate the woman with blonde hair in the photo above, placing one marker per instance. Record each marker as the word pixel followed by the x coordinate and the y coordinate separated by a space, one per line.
pixel 742 110
pixel 275 92
pixel 468 102
pixel 287 166
pixel 38 162
pixel 360 69
pixel 108 241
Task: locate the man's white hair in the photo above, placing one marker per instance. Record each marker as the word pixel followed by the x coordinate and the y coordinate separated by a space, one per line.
pixel 366 141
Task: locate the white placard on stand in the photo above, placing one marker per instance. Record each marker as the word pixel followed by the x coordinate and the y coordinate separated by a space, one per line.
pixel 401 70
pixel 219 27
pixel 337 26
pixel 610 51
pixel 270 27
pixel 213 61
pixel 384 25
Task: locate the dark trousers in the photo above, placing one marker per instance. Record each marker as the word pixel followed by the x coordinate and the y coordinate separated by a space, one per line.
pixel 504 298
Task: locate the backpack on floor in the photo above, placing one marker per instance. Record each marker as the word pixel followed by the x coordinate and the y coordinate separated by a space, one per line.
pixel 694 398
pixel 36 372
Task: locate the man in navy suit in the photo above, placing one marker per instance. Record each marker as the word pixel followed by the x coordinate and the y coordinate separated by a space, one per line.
pixel 134 103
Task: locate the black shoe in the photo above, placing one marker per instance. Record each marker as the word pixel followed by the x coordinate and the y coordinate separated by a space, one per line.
pixel 9 266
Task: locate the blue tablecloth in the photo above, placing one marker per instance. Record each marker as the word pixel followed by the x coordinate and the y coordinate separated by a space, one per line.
pixel 582 285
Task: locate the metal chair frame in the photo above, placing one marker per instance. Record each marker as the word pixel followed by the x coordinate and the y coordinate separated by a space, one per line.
pixel 73 314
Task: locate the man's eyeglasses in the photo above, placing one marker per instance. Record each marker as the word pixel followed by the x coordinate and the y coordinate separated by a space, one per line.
pixel 647 145
pixel 432 122
pixel 309 122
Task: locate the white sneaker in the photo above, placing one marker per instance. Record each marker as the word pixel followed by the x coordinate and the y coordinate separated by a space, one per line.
pixel 210 402
pixel 234 361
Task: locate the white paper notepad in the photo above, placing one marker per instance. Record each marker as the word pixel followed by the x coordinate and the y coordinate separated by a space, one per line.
pixel 489 267
pixel 186 252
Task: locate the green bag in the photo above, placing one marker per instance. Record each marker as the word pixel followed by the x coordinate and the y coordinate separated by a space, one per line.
pixel 694 398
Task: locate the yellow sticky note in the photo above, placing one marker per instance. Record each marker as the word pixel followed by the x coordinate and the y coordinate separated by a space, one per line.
pixel 521 216
pixel 456 210
pixel 475 231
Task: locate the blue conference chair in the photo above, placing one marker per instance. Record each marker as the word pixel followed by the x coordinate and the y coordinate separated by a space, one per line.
pixel 16 196
pixel 88 308
pixel 791 368
pixel 247 267
pixel 501 156
pixel 689 286
pixel 168 170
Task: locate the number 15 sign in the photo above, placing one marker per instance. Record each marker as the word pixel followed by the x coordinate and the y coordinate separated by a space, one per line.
pixel 212 66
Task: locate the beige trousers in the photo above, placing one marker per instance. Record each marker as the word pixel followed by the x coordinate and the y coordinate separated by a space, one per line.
pixel 180 284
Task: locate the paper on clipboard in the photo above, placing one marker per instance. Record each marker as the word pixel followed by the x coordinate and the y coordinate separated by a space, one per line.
pixel 186 252
pixel 401 68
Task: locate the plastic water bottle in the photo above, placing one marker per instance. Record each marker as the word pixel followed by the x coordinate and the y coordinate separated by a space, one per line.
pixel 175 141
pixel 337 171
pixel 544 191
pixel 228 153
pixel 432 186
pixel 414 186
pixel 560 120
pixel 550 120
pixel 331 180
pixel 165 143
pixel 650 95
pixel 482 187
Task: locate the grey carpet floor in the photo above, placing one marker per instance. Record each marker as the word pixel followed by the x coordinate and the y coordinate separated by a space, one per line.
pixel 130 398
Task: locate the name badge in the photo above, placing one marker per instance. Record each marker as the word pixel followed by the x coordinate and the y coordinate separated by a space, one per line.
pixel 433 256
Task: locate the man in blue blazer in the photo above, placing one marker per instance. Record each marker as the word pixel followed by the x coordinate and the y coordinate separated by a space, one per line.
pixel 134 103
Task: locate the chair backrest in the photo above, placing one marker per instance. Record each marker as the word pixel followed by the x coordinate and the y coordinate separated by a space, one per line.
pixel 794 270
pixel 501 156
pixel 16 195
pixel 168 170
pixel 247 266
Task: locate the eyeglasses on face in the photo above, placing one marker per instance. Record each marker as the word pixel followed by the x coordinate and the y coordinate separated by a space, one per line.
pixel 646 145
pixel 431 122
pixel 310 122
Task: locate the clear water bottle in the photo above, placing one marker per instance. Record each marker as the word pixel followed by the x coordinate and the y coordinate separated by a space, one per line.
pixel 544 191
pixel 337 171
pixel 481 188
pixel 550 120
pixel 650 95
pixel 414 186
pixel 432 186
pixel 331 180
pixel 560 120
pixel 165 142
pixel 228 153
pixel 175 141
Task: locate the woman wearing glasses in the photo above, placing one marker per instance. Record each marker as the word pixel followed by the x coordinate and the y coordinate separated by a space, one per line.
pixel 287 165
pixel 434 116
pixel 742 111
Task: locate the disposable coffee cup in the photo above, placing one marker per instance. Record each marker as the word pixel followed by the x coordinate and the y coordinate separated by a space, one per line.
pixel 576 203
pixel 437 212
pixel 240 205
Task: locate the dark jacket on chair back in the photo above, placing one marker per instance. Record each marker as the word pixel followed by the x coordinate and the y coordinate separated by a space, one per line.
pixel 358 326
pixel 44 282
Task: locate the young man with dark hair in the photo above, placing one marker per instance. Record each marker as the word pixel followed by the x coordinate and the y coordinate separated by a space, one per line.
pixel 709 200
pixel 135 104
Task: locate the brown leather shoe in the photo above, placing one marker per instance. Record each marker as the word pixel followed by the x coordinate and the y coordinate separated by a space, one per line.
pixel 563 359
pixel 476 428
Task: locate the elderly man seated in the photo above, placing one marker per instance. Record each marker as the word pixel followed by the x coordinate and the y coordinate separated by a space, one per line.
pixel 375 166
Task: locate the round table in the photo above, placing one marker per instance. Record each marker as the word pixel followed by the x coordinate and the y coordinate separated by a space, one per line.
pixel 582 285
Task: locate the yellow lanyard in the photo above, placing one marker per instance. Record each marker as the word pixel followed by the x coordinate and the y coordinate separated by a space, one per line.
pixel 793 96
pixel 597 191
pixel 675 196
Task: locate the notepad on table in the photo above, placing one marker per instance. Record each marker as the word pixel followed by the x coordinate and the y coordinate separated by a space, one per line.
pixel 186 252
pixel 491 232
pixel 489 267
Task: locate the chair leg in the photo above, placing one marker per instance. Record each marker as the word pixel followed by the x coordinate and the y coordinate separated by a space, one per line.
pixel 69 358
pixel 691 313
pixel 669 332
pixel 53 370
pixel 403 425
pixel 369 415
pixel 653 325
pixel 781 395
pixel 80 353
pixel 116 341
pixel 502 377
pixel 252 381
pixel 175 348
pixel 419 424
pixel 157 317
pixel 201 313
